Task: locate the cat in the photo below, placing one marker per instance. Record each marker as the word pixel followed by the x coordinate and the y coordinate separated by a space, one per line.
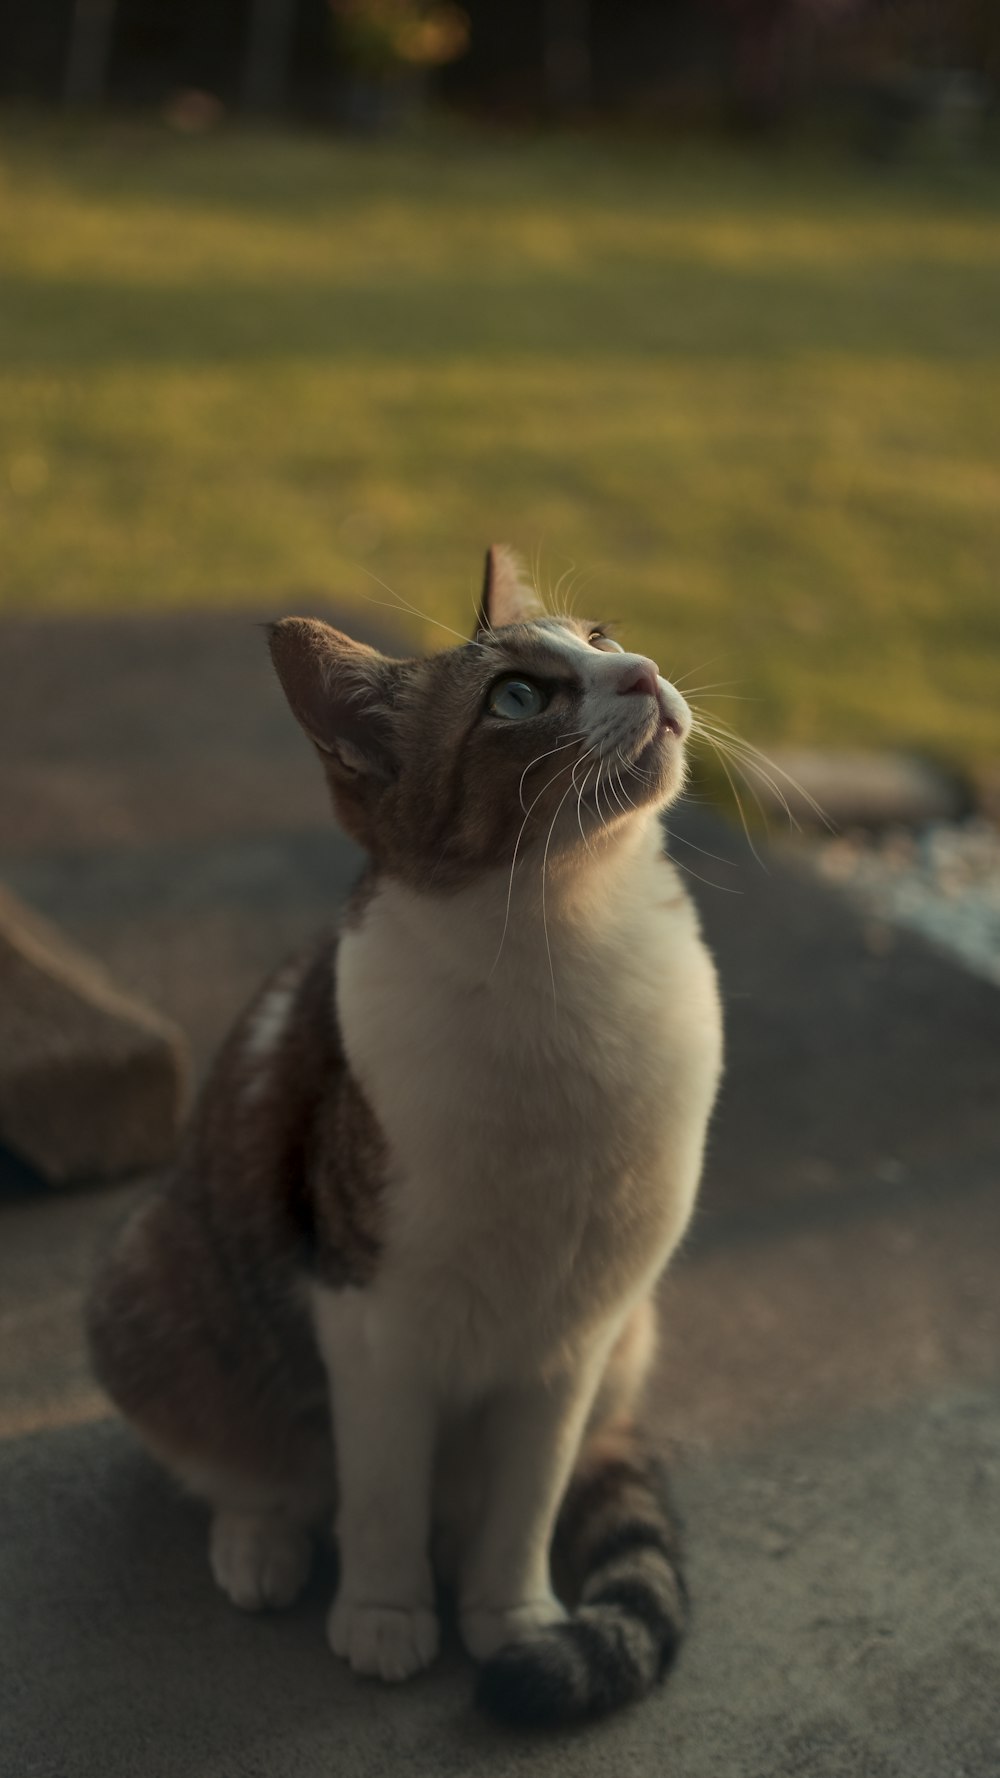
pixel 403 1269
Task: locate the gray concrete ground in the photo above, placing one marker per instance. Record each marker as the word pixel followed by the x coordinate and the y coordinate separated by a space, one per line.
pixel 828 1384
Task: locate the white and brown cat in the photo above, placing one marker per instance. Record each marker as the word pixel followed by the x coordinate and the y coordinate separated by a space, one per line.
pixel 403 1271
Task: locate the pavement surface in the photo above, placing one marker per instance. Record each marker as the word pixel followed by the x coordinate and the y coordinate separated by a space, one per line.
pixel 827 1391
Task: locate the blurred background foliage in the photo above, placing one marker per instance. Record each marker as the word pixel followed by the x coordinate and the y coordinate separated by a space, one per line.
pixel 697 304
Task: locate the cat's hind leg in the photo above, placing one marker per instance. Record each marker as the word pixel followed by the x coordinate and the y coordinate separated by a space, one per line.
pixel 219 1379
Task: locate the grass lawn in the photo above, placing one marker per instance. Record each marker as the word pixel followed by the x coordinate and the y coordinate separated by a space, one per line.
pixel 755 399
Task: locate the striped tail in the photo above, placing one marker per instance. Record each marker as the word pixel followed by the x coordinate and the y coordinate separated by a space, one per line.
pixel 618 1540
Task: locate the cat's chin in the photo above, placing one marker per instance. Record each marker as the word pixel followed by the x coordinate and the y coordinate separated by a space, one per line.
pixel 658 769
pixel 640 784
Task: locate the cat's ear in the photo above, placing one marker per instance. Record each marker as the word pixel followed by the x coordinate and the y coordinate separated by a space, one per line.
pixel 507 596
pixel 339 692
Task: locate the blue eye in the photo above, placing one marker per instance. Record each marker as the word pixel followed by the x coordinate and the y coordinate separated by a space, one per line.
pixel 516 698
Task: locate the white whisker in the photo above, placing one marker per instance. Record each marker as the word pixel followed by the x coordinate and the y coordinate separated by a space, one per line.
pixel 705 854
pixel 736 794
pixel 762 760
pixel 482 618
pixel 700 668
pixel 579 800
pixel 553 600
pixel 597 794
pixel 545 922
pixel 402 604
pixel 612 791
pixel 621 787
pixel 630 766
pixel 744 765
pixel 723 888
pixel 579 736
pixel 730 697
pixel 513 862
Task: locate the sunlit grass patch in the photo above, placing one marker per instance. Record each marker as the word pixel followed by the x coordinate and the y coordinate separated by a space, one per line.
pixel 753 405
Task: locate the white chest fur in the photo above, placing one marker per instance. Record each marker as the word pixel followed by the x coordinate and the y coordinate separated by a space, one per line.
pixel 545 1125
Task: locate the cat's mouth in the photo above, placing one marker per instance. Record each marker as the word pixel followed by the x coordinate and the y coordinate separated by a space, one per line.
pixel 645 765
pixel 655 759
pixel 668 716
pixel 655 748
pixel 663 733
pixel 652 763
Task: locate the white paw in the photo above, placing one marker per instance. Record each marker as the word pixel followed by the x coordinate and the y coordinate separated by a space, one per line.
pixel 259 1560
pixel 484 1632
pixel 383 1641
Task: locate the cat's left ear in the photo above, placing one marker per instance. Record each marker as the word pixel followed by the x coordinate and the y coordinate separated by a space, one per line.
pixel 340 692
pixel 507 596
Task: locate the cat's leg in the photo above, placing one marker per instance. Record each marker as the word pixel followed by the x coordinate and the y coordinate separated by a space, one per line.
pixel 461 1468
pixel 532 1436
pixel 261 1540
pixel 618 1557
pixel 383 1619
pixel 459 1492
pixel 628 1366
pixel 262 1530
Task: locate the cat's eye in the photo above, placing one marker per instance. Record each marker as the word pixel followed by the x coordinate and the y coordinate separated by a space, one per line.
pixel 515 698
pixel 606 644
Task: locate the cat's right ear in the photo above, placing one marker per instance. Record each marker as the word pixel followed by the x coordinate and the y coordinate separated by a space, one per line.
pixel 339 692
pixel 507 596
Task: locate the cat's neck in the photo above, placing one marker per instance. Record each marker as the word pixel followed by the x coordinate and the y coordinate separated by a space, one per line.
pixel 577 900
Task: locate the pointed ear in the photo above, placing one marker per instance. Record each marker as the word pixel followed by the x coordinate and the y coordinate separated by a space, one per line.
pixel 339 691
pixel 507 597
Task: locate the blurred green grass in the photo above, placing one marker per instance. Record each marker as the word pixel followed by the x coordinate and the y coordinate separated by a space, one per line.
pixel 755 400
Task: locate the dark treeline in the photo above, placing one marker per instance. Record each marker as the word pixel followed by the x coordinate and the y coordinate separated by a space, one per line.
pixel 689 60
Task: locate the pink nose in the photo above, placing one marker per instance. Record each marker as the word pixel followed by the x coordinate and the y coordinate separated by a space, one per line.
pixel 640 675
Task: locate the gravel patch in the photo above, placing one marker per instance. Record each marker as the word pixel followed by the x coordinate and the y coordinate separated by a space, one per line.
pixel 942 880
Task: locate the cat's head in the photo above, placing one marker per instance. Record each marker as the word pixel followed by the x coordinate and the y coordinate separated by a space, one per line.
pixel 541 730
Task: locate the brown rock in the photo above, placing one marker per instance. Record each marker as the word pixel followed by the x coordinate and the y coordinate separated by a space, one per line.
pixel 91 1080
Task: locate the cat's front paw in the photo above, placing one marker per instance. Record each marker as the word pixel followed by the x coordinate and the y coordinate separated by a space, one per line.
pixel 486 1631
pixel 383 1641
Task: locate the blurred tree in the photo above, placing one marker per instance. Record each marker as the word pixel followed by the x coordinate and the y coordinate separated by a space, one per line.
pixel 659 58
pixel 265 71
pixel 567 53
pixel 89 53
pixel 387 48
pixel 763 38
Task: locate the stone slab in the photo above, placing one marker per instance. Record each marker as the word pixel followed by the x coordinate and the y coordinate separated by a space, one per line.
pixel 813 1564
